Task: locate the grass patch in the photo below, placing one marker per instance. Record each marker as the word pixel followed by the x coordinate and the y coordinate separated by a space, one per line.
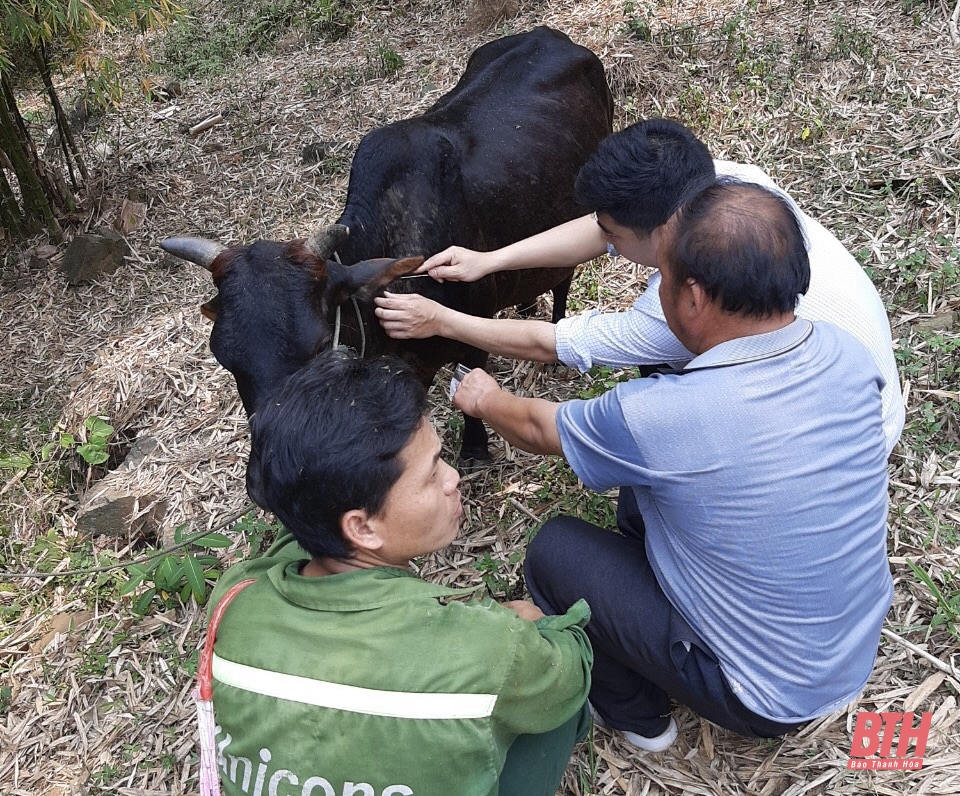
pixel 562 490
pixel 850 38
pixel 207 42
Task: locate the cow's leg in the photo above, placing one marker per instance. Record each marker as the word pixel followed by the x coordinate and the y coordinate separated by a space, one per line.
pixel 473 447
pixel 560 293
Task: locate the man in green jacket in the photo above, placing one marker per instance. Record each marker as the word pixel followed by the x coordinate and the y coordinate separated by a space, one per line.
pixel 339 672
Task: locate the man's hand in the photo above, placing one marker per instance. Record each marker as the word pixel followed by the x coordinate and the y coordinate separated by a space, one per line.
pixel 524 609
pixel 408 316
pixel 458 265
pixel 526 423
pixel 476 385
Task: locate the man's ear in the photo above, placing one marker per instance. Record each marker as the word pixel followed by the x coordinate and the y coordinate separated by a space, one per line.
pixel 656 238
pixel 698 296
pixel 357 529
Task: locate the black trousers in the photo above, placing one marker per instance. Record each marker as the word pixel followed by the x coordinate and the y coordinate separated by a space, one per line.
pixel 645 653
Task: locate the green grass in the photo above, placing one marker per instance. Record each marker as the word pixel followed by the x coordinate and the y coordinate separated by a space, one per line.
pixel 851 38
pixel 637 22
pixel 596 283
pixel 562 490
pixel 257 532
pixel 946 594
pixel 751 86
pixel 205 44
pixel 495 573
pixel 601 378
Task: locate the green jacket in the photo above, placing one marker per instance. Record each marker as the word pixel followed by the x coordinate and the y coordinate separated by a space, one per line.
pixel 377 683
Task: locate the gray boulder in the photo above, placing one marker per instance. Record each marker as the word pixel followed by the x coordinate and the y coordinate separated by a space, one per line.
pixel 91 255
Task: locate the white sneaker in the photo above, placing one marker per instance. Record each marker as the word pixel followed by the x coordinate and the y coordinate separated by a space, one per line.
pixel 657 743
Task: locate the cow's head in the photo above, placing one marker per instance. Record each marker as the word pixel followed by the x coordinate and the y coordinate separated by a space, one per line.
pixel 275 303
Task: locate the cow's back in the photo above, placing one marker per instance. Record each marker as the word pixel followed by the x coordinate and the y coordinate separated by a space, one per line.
pixel 527 113
pixel 490 163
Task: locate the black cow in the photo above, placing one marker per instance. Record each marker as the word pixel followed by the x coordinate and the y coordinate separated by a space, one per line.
pixel 492 162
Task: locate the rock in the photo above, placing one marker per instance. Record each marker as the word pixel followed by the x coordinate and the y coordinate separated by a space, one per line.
pixel 38 258
pixel 141 448
pixel 113 513
pixel 108 509
pixel 942 322
pixel 89 256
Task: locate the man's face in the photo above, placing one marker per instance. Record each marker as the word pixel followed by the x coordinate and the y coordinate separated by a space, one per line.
pixel 640 249
pixel 422 510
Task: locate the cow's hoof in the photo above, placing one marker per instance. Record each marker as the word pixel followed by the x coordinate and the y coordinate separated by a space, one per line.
pixel 474 459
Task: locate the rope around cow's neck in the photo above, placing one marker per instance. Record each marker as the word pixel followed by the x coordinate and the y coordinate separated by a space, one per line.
pixel 356 309
pixel 363 333
pixel 336 321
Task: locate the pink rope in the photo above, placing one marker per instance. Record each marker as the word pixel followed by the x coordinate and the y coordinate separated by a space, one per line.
pixel 209 776
pixel 203 696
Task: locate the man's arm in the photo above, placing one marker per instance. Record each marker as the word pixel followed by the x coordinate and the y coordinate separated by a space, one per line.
pixel 546 662
pixel 563 246
pixel 405 316
pixel 526 423
pixel 549 676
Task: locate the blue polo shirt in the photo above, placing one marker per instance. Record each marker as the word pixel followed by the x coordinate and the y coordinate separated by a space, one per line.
pixel 760 472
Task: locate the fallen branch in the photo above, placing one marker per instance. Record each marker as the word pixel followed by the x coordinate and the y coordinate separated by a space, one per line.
pixel 206 124
pixel 949 668
pixel 520 507
pixel 186 542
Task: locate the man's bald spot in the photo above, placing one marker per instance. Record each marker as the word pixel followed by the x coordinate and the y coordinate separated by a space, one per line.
pixel 748 214
pixel 743 244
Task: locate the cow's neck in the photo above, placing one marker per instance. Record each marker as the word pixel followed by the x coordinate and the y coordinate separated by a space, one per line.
pixel 380 230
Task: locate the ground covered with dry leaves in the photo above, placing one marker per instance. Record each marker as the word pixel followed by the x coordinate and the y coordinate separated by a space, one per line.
pixel 853 107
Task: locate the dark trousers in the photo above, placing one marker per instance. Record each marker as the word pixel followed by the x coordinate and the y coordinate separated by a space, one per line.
pixel 644 651
pixel 535 763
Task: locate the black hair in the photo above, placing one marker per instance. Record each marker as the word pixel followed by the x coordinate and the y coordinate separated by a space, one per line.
pixel 638 175
pixel 743 244
pixel 328 440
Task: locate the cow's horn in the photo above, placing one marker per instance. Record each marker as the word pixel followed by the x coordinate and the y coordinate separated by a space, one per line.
pixel 196 250
pixel 324 242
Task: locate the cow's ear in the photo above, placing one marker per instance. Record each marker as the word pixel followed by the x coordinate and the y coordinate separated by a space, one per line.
pixel 211 308
pixel 365 278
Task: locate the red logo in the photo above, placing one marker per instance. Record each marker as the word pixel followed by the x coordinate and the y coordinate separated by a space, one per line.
pixel 875 733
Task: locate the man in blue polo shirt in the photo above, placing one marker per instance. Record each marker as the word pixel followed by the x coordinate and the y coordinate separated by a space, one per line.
pixel 749 577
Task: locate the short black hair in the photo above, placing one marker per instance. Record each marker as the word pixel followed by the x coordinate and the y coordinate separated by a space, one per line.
pixel 744 244
pixel 638 175
pixel 328 440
